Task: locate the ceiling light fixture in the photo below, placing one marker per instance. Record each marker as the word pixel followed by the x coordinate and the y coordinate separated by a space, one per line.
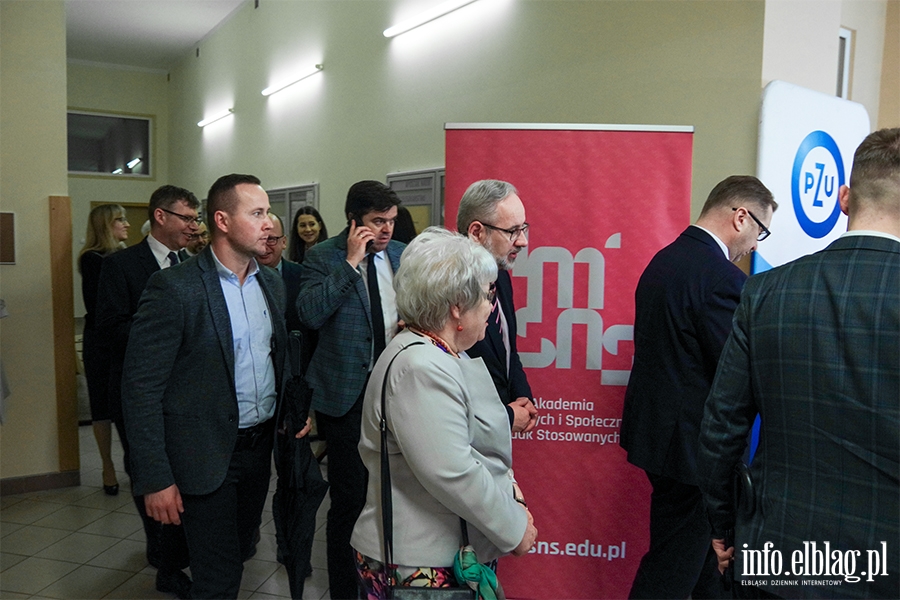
pixel 429 15
pixel 278 87
pixel 133 163
pixel 215 118
pixel 118 171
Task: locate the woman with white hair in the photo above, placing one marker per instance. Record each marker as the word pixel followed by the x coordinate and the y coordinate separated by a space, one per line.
pixel 447 433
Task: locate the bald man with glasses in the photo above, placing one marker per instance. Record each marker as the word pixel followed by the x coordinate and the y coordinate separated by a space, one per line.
pixel 684 303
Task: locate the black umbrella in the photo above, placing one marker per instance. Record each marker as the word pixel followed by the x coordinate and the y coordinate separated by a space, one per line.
pixel 300 488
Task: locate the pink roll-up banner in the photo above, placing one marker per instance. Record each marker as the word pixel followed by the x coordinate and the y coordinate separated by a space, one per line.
pixel 600 200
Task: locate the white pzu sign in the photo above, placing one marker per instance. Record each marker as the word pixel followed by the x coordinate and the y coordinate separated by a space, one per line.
pixel 806 145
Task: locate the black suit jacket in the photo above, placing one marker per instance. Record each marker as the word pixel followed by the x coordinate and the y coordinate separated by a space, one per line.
pixel 179 398
pixel 684 303
pixel 123 277
pixel 290 273
pixel 514 384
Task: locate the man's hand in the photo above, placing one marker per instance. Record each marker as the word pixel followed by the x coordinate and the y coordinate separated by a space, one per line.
pixel 165 505
pixel 357 239
pixel 524 415
pixel 725 556
pixel 306 429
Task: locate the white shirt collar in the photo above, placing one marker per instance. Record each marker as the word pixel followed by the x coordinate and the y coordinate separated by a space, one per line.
pixel 160 251
pixel 871 232
pixel 721 244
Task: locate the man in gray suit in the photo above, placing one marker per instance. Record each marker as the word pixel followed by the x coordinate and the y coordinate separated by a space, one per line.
pixel 346 293
pixel 815 350
pixel 205 366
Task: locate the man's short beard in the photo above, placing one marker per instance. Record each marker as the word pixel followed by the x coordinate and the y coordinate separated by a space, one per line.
pixel 503 261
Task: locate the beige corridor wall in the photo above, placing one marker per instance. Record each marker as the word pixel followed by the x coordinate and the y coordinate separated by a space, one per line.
pixel 32 168
pixel 380 104
pixel 801 46
pixel 130 91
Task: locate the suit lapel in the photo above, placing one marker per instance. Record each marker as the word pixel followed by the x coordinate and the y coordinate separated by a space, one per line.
pixel 360 286
pixel 280 340
pixel 148 261
pixel 217 307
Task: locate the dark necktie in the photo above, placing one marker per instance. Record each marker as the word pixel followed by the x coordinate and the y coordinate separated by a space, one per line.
pixel 173 259
pixel 375 304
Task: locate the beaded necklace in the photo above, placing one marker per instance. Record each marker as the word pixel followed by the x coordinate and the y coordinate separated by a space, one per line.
pixel 434 340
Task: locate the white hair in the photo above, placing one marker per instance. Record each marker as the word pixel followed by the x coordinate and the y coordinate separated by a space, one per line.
pixel 440 269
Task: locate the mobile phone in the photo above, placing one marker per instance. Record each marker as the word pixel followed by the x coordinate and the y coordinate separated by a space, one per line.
pixel 358 222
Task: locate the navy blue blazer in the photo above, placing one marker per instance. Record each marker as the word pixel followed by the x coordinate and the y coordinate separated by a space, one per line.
pixel 123 278
pixel 684 303
pixel 514 384
pixel 333 299
pixel 179 399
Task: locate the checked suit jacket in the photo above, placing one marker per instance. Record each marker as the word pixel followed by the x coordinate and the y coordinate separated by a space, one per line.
pixel 815 350
pixel 333 300
pixel 179 398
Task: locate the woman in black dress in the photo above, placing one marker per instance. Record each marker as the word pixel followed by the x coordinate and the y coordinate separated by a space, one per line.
pixel 107 231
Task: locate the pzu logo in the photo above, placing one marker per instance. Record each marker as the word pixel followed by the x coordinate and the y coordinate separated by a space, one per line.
pixel 817 175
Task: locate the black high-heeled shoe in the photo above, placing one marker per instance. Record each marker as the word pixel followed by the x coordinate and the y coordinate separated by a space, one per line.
pixel 111 490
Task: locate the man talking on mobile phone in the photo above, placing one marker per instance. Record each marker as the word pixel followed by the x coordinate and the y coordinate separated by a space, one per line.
pixel 347 294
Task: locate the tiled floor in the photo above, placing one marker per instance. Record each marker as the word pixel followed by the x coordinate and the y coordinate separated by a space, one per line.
pixel 80 543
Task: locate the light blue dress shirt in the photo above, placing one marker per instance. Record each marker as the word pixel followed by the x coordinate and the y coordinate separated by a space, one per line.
pixel 251 330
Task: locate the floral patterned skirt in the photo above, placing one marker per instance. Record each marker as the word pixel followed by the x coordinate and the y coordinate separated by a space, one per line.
pixel 373 579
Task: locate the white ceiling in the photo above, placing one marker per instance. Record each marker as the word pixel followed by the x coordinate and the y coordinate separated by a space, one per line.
pixel 150 34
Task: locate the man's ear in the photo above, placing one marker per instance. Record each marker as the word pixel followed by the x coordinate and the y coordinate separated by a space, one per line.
pixel 220 218
pixel 739 218
pixel 158 216
pixel 844 199
pixel 477 231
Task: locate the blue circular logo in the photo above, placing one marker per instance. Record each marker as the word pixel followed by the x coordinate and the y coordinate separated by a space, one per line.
pixel 817 176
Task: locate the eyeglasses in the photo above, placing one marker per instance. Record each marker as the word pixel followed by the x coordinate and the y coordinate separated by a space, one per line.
pixel 514 233
pixel 273 239
pixel 203 235
pixel 187 220
pixel 763 230
pixel 491 294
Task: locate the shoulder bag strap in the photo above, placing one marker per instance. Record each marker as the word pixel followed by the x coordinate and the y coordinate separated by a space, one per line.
pixel 386 504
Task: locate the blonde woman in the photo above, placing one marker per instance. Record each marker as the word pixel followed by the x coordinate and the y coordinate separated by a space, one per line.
pixel 107 231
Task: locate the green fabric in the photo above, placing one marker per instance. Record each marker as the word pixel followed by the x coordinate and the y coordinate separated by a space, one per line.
pixel 467 569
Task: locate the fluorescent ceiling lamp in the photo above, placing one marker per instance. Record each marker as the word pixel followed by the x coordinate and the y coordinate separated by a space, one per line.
pixel 278 87
pixel 133 163
pixel 117 171
pixel 429 15
pixel 215 118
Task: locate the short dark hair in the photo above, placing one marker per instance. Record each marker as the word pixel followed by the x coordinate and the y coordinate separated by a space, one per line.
pixel 368 196
pixel 744 189
pixel 875 175
pixel 166 196
pixel 220 196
